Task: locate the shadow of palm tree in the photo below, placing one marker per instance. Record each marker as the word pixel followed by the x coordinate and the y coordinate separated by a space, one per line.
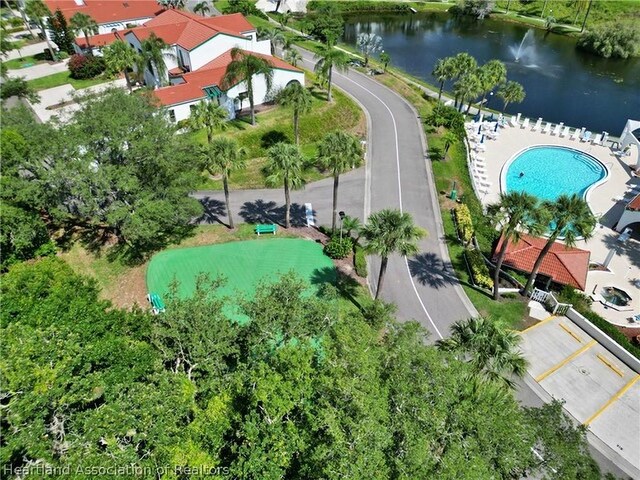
pixel 430 270
pixel 323 275
pixel 297 213
pixel 213 210
pixel 259 211
pixel 270 138
pixel 628 249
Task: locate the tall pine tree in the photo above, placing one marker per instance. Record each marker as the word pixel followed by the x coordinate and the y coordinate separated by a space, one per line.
pixel 60 32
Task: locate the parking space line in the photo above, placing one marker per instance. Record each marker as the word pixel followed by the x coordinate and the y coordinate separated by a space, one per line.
pixel 608 363
pixel 542 322
pixel 571 332
pixel 558 366
pixel 610 402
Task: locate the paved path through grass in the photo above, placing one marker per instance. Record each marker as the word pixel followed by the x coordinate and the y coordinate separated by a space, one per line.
pixel 244 264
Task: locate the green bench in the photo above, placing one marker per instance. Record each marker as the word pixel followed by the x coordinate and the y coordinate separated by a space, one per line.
pixel 264 228
pixel 157 305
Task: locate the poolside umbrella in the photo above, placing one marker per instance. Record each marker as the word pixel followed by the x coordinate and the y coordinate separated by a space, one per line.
pixel 480 117
pixel 482 138
pixel 479 127
pixel 581 132
pixel 495 129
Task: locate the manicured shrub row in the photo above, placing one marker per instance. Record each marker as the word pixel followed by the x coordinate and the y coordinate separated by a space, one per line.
pixel 463 221
pixel 362 6
pixel 86 66
pixel 360 261
pixel 479 269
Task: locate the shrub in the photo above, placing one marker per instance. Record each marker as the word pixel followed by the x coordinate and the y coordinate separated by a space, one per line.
pixel 449 117
pixel 63 55
pixel 18 87
pixel 360 6
pixel 617 40
pixel 479 269
pixel 360 261
pixel 86 66
pixel 464 222
pixel 16 22
pixel 338 247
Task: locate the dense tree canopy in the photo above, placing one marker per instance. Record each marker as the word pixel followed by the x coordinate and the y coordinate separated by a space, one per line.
pixel 116 170
pixel 306 388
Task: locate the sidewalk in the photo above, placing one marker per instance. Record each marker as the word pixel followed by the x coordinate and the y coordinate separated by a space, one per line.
pixel 27 50
pixel 40 70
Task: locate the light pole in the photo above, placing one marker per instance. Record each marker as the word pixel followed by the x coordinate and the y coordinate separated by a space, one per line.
pixel 341 214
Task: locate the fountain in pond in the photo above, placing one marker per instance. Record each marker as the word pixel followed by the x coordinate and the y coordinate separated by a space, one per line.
pixel 526 49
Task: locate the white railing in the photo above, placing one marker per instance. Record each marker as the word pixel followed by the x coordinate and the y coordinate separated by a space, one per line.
pixel 550 302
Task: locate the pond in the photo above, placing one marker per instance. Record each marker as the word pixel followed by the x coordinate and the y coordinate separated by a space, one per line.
pixel 563 84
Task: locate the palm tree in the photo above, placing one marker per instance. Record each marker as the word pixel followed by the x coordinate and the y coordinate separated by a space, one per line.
pixel 243 68
pixel 463 64
pixel 368 44
pixel 203 8
pixel 351 224
pixel 388 232
pixel 38 12
pixel 120 57
pixel 328 59
pixel 284 19
pixel 338 152
pixel 385 58
pixel 467 88
pixel 285 167
pixel 274 36
pixel 514 213
pixel 154 51
pixel 83 23
pixel 448 139
pixel 292 56
pixel 492 350
pixel 444 70
pixel 209 116
pixel 511 92
pixel 223 156
pixel 571 218
pixel 491 74
pixel 299 99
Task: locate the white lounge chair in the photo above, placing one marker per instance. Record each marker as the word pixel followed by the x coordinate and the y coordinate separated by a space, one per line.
pixel 565 131
pixel 556 130
pixel 547 128
pixel 485 183
pixel 597 140
pixel 513 122
pixel 536 127
pixel 480 147
pixel 605 137
pixel 525 124
pixel 575 134
pixel 586 136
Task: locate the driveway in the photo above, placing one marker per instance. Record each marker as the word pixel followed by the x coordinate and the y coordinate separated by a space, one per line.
pixel 398 176
pixel 40 70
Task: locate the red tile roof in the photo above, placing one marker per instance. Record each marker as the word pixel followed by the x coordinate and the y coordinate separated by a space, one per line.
pixel 209 74
pixel 565 265
pixel 634 204
pixel 100 40
pixel 190 31
pixel 107 11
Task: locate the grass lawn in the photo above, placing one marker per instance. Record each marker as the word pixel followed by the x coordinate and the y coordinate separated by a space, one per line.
pixel 63 78
pixel 23 62
pixel 276 124
pixel 243 265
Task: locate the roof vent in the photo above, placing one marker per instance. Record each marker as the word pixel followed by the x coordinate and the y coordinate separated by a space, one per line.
pixel 80 3
pixel 125 4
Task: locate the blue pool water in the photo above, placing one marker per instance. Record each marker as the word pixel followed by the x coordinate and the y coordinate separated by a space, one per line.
pixel 548 172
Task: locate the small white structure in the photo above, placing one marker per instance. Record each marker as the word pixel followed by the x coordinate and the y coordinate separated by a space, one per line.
pixel 628 137
pixel 630 215
pixel 197 59
pixel 282 6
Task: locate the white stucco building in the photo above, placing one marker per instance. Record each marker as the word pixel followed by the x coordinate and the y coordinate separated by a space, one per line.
pixel 197 59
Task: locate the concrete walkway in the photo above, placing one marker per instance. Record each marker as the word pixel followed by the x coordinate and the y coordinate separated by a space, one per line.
pixel 40 70
pixel 27 50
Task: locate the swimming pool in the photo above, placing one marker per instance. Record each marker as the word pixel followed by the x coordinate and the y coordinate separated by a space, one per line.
pixel 549 171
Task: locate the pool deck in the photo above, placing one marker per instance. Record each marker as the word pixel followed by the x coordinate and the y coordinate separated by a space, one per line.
pixel 604 200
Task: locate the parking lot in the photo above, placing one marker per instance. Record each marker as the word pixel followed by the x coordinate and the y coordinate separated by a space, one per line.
pixel 599 390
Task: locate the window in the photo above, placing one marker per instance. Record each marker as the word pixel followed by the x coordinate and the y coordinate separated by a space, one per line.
pixel 192 108
pixel 172 115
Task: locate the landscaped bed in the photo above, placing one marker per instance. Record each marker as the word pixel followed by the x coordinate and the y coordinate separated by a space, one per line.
pixel 243 264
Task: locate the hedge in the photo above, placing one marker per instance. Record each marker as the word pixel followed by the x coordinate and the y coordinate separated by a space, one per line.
pixel 479 270
pixel 464 222
pixel 361 6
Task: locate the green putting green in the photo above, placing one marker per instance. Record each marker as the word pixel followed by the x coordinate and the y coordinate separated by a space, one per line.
pixel 244 264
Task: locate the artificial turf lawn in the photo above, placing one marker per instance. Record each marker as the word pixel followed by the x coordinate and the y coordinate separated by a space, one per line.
pixel 243 264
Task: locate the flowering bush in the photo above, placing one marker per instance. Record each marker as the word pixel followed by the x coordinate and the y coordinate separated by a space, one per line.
pixel 86 66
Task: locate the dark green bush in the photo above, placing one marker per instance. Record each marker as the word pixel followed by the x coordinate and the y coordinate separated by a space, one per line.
pixel 617 40
pixel 449 117
pixel 338 247
pixel 361 6
pixel 86 66
pixel 360 261
pixel 17 87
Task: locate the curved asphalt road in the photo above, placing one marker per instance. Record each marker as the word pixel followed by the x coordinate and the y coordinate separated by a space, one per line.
pixel 423 287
